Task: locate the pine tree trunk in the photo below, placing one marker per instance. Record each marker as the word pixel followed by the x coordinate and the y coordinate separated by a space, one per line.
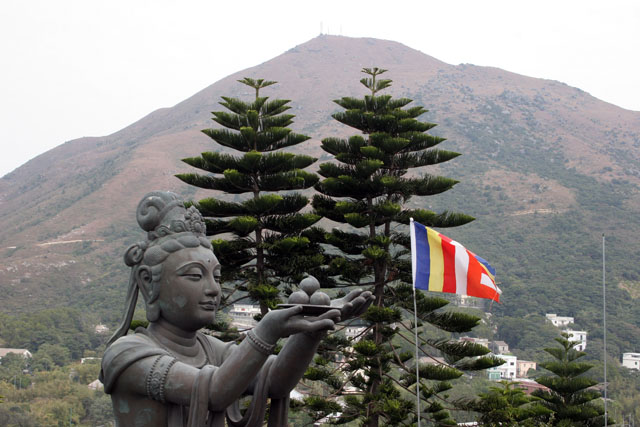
pixel 379 276
pixel 375 383
pixel 259 257
pixel 260 268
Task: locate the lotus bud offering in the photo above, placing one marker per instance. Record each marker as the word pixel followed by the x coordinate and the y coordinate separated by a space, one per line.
pixel 320 298
pixel 299 297
pixel 309 293
pixel 309 285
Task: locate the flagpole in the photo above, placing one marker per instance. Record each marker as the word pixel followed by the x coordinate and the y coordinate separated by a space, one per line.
pixel 604 325
pixel 415 327
pixel 415 321
pixel 466 272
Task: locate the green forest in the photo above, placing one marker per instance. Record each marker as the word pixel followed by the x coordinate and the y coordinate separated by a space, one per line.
pixel 51 388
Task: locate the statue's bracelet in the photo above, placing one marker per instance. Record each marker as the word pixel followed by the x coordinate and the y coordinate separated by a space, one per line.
pixel 157 377
pixel 259 344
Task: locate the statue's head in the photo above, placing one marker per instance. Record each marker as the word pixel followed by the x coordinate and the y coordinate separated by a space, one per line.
pixel 174 269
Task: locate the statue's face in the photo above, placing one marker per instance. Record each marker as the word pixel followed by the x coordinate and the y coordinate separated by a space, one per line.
pixel 189 288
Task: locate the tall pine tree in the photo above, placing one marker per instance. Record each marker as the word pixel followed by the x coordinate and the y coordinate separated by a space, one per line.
pixel 263 223
pixel 366 191
pixel 570 395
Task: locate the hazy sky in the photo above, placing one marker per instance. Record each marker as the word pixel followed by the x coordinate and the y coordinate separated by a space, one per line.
pixel 73 68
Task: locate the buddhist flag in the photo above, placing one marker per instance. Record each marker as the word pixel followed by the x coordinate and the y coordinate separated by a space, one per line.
pixel 444 265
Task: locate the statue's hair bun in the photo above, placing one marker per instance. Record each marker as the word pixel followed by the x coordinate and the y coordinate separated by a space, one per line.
pixel 154 206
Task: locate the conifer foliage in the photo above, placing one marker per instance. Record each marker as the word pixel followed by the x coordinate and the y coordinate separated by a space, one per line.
pixel 570 396
pixel 366 191
pixel 266 224
pixel 507 405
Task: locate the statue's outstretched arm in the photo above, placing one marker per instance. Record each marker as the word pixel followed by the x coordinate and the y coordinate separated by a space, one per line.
pixel 297 353
pixel 292 362
pixel 163 378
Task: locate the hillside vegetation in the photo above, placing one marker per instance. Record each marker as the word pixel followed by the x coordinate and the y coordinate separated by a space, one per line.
pixel 546 170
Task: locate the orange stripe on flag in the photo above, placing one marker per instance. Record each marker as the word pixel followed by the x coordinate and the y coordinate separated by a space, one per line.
pixel 473 279
pixel 475 288
pixel 440 264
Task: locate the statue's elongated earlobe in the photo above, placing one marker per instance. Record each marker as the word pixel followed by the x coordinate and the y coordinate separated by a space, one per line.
pixel 144 278
pixel 153 312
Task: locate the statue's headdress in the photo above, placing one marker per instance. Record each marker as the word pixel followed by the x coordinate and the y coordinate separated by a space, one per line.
pixel 163 216
pixel 162 213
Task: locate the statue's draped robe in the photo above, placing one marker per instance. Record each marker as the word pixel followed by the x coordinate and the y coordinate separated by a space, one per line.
pixel 130 349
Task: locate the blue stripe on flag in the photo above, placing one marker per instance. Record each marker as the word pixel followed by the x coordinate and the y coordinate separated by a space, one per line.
pixel 423 261
pixel 486 264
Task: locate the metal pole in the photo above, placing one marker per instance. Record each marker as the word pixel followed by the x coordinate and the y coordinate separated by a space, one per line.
pixel 604 325
pixel 415 327
pixel 412 233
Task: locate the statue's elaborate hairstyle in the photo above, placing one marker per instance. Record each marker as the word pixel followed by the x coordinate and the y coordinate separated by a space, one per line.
pixel 170 227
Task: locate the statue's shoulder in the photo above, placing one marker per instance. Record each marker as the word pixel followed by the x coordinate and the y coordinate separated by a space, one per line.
pixel 125 351
pixel 139 339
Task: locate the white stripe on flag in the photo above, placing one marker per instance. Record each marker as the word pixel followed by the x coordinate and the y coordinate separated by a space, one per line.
pixel 486 280
pixel 462 268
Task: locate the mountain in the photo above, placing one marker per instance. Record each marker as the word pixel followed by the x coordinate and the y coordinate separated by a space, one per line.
pixel 546 170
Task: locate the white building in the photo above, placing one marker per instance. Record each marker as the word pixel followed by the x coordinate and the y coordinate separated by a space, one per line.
pixel 631 360
pixel 242 315
pixel 354 333
pixel 559 321
pixel 499 347
pixel 95 385
pixel 471 302
pixel 506 371
pixel 21 351
pixel 579 336
pixel 101 329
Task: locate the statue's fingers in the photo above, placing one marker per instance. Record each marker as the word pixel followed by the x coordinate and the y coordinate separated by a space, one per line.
pixel 358 301
pixel 321 325
pixel 334 315
pixel 353 294
pixel 367 295
pixel 360 310
pixel 291 311
pixel 347 308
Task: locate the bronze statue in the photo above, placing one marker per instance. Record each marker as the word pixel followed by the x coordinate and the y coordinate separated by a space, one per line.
pixel 170 374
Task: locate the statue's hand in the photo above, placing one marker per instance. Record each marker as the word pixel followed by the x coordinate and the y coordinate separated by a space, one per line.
pixel 353 304
pixel 282 323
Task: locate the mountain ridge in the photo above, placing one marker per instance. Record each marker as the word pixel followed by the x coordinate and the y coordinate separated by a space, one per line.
pixel 539 157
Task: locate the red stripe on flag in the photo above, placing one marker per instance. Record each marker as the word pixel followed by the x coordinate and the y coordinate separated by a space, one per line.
pixel 449 261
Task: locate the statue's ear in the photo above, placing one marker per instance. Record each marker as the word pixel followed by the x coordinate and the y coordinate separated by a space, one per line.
pixel 144 280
